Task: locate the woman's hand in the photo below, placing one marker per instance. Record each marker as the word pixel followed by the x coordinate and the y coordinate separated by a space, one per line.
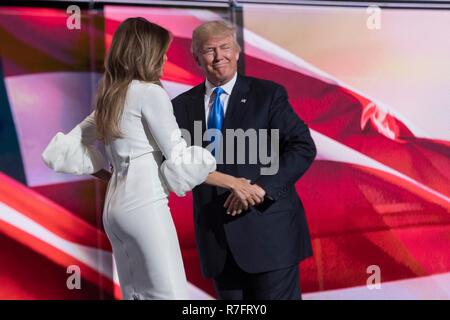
pixel 243 193
pixel 243 196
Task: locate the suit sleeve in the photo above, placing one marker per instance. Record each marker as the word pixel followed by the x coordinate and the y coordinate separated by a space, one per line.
pixel 296 147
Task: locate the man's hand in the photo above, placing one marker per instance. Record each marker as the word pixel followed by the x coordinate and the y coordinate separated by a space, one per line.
pixel 241 199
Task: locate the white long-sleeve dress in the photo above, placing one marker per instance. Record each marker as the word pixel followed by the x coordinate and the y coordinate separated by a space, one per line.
pixel 136 215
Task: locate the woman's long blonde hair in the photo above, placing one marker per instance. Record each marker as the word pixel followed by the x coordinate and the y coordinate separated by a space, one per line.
pixel 137 52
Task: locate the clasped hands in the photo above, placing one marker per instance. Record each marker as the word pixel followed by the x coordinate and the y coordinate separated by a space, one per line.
pixel 243 195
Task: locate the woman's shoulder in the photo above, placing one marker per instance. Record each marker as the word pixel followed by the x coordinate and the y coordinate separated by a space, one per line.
pixel 148 94
pixel 148 87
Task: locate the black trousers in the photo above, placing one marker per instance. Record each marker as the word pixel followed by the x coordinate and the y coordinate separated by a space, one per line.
pixel 236 284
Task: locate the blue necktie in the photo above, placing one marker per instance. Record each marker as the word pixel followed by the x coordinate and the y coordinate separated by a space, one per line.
pixel 216 115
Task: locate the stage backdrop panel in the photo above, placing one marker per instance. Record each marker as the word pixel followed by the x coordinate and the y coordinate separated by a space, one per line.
pixel 376 101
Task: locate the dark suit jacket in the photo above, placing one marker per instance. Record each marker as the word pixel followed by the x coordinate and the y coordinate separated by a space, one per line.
pixel 274 234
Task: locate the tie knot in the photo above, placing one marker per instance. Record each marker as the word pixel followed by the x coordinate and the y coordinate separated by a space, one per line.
pixel 218 91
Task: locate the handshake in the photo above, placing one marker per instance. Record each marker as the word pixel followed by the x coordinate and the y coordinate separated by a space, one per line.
pixel 243 195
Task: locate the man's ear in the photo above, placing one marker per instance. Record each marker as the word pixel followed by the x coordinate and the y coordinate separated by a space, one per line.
pixel 197 60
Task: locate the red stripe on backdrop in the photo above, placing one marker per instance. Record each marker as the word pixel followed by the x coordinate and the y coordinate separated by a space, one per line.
pixel 86 192
pixel 50 215
pixel 360 217
pixel 180 22
pixel 341 261
pixel 38 40
pixel 26 274
pixel 57 256
pixel 340 198
pixel 174 73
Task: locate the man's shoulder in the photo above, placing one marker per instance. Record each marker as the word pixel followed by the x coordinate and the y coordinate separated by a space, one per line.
pixel 187 95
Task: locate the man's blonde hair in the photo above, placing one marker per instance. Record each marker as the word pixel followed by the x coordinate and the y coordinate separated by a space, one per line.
pixel 208 29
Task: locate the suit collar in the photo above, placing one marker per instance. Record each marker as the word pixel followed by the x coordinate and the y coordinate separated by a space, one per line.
pixel 198 108
pixel 227 87
pixel 242 85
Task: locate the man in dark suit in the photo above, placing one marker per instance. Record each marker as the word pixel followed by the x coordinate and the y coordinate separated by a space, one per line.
pixel 253 252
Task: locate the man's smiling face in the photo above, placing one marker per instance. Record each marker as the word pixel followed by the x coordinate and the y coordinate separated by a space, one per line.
pixel 218 57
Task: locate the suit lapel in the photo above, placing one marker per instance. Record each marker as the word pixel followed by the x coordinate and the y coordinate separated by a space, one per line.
pixel 235 112
pixel 198 111
pixel 237 104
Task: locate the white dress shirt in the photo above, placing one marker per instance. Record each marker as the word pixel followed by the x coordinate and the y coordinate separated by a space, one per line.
pixel 209 96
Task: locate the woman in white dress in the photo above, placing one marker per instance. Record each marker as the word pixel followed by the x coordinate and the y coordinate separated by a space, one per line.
pixel 134 119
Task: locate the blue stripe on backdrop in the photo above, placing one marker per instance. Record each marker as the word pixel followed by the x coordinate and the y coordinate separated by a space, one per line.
pixel 10 158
